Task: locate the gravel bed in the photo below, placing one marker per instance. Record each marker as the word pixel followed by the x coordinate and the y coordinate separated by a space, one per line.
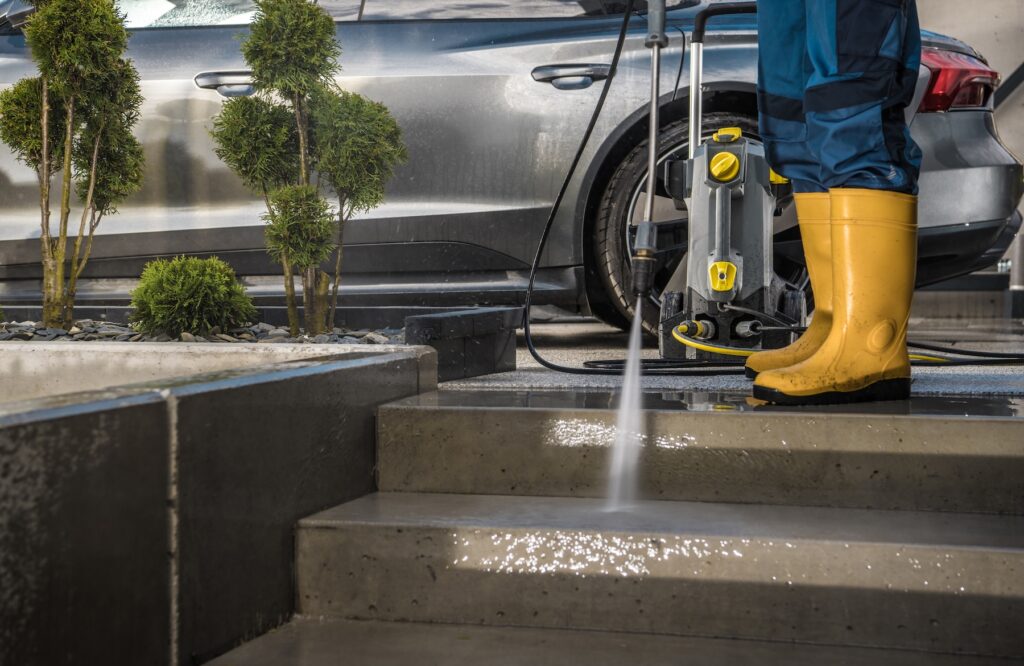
pixel 88 330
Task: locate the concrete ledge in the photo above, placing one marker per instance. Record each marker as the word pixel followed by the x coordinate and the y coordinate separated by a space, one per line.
pixel 34 370
pixel 469 343
pixel 154 524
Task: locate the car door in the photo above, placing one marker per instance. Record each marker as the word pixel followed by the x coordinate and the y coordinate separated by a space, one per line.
pixel 493 98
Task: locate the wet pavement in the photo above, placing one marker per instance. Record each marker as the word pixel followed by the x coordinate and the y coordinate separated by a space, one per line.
pixel 574 342
pixel 700 401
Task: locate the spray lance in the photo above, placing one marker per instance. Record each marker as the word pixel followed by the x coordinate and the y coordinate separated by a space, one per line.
pixel 646 245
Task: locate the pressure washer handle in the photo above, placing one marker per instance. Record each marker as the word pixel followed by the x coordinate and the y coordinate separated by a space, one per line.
pixel 656 35
pixel 697 63
pixel 724 9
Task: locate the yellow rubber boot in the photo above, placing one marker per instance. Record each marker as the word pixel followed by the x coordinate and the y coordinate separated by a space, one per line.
pixel 812 211
pixel 864 357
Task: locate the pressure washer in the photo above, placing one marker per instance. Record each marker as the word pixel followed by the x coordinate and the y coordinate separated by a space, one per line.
pixel 724 301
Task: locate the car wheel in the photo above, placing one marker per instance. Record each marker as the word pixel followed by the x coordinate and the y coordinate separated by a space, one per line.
pixel 622 208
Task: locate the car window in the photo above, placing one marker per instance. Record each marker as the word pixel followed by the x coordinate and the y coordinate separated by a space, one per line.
pixel 179 13
pixel 498 9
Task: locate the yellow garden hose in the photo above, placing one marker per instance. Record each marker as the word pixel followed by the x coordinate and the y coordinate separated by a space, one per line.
pixel 679 333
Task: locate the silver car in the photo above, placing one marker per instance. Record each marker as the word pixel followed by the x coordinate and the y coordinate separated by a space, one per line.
pixel 493 96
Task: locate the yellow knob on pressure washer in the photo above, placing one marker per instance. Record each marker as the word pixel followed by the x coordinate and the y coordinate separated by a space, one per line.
pixel 727 135
pixel 724 167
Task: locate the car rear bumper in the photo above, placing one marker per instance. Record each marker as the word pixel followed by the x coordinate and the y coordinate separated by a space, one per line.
pixel 971 185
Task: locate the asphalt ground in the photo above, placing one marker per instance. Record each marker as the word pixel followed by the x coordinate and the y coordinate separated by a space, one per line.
pixel 573 342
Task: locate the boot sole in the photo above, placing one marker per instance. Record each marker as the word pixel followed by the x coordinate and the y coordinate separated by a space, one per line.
pixel 750 373
pixel 888 389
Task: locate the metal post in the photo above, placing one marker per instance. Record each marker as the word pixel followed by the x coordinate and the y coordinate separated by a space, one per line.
pixel 656 40
pixel 652 136
pixel 696 95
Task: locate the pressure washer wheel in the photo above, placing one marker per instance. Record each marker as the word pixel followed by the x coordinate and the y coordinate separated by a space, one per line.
pixel 622 208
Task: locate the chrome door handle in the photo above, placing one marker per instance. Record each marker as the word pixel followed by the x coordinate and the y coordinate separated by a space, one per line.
pixel 571 77
pixel 228 84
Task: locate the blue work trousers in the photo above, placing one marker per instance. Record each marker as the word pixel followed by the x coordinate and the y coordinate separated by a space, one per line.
pixel 834 80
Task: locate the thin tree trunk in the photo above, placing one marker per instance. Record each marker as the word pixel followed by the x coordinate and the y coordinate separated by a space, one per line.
pixel 342 219
pixel 323 287
pixel 45 178
pixel 53 311
pixel 289 292
pixel 289 279
pixel 300 125
pixel 94 222
pixel 309 301
pixel 78 260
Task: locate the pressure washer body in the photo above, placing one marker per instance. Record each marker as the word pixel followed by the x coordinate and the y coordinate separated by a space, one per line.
pixel 727 278
pixel 728 273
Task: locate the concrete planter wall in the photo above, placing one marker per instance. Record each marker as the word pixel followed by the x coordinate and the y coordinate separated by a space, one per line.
pixel 154 524
pixel 37 370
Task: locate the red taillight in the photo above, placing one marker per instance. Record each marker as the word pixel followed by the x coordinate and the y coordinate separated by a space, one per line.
pixel 958 81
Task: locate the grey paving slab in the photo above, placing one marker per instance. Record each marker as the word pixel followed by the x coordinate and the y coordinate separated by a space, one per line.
pixel 931 581
pixel 315 642
pixel 940 454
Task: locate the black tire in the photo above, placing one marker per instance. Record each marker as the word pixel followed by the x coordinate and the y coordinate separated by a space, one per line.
pixel 611 254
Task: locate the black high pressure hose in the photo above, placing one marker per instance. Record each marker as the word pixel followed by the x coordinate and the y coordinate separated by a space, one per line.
pixel 694 367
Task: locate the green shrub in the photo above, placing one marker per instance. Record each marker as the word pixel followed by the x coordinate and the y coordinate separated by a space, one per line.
pixel 186 294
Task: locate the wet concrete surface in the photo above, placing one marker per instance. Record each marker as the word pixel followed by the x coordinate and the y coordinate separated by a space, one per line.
pixel 896 579
pixel 316 642
pixel 574 342
pixel 701 401
pixel 935 454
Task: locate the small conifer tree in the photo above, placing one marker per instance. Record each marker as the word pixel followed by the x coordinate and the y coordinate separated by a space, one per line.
pixel 358 145
pixel 297 136
pixel 74 121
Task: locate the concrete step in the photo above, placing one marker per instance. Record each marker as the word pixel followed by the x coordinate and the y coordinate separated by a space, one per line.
pixel 940 582
pixel 312 642
pixel 937 454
